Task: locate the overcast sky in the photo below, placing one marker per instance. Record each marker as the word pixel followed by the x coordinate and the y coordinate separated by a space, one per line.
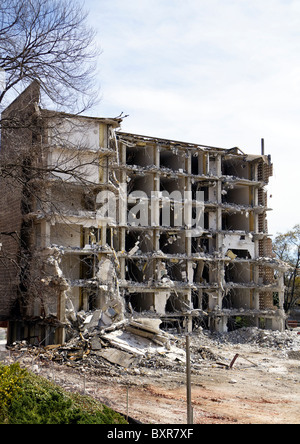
pixel 223 73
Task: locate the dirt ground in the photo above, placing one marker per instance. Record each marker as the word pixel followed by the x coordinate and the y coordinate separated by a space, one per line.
pixel 263 391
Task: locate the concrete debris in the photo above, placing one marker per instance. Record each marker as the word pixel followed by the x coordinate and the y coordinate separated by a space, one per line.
pixel 149 328
pixel 231 254
pixel 206 353
pixel 118 357
pixel 95 343
pixel 123 344
pixel 135 345
pixel 134 249
pixel 127 342
pixel 262 338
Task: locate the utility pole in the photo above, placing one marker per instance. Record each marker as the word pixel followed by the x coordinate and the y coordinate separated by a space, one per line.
pixel 188 382
pixel 127 403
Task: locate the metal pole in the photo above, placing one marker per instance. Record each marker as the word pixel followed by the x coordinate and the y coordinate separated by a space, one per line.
pixel 127 401
pixel 188 382
pixel 233 361
pixel 262 147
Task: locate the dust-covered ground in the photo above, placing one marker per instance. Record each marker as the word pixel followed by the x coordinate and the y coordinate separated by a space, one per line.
pixel 262 387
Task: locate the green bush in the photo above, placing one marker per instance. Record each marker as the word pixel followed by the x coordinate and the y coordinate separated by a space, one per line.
pixel 29 399
pixel 11 380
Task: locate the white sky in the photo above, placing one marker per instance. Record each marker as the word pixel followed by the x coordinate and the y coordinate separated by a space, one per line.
pixel 223 73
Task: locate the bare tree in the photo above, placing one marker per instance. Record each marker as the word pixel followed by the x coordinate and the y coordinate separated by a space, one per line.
pixel 47 165
pixel 50 173
pixel 49 45
pixel 287 248
pixel 49 41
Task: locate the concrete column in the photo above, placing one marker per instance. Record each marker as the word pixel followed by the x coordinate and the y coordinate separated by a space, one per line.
pixel 45 234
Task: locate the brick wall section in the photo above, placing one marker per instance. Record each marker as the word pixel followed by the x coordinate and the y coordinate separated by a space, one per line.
pixel 16 140
pixel 10 221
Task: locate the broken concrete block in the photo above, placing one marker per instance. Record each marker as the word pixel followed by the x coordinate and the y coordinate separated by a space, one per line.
pixel 134 249
pixel 88 319
pixel 95 343
pixel 105 320
pixel 138 332
pixel 114 326
pixel 231 254
pixel 106 271
pixel 127 342
pixel 111 313
pixel 92 321
pixel 118 357
pixel 149 324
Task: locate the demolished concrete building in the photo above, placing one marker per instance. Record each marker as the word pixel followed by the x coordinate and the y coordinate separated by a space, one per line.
pixel 99 220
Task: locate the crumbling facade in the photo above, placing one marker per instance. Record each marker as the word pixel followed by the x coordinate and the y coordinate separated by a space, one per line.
pixel 123 224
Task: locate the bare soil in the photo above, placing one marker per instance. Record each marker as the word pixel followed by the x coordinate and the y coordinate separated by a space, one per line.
pixel 263 391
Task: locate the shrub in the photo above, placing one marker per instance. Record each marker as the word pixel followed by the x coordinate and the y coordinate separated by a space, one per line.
pixel 29 399
pixel 11 379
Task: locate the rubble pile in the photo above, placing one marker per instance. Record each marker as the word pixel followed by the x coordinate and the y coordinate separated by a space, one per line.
pixel 263 338
pixel 129 344
pixel 206 354
pixel 137 344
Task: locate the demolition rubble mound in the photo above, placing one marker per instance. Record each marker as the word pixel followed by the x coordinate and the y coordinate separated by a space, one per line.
pixel 287 339
pixel 243 376
pixel 126 345
pixel 134 344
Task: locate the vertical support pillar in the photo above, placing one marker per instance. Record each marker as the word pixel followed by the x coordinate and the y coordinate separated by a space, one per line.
pixel 188 382
pixel 45 234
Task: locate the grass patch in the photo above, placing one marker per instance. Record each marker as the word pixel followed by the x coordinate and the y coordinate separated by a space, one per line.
pixel 26 398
